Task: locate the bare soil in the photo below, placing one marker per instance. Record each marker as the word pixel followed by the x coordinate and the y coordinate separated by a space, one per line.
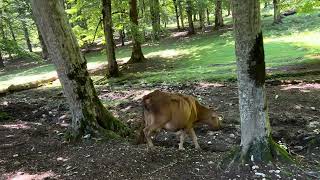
pixel 32 143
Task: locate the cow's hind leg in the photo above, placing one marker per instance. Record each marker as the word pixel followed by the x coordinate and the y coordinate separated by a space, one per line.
pixel 149 131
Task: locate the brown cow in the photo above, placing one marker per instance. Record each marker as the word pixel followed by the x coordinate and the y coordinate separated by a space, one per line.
pixel 175 112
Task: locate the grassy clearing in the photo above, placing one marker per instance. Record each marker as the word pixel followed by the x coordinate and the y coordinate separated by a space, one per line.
pixel 206 57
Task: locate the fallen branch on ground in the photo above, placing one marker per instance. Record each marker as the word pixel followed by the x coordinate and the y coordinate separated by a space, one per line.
pixel 30 85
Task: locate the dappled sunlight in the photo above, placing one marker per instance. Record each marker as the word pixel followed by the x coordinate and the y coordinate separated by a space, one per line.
pixel 302 87
pixel 21 79
pixel 309 39
pixel 29 176
pixel 168 53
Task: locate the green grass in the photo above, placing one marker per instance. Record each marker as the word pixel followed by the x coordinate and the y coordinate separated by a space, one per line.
pixel 206 57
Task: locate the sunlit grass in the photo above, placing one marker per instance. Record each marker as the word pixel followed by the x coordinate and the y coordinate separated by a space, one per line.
pixel 204 57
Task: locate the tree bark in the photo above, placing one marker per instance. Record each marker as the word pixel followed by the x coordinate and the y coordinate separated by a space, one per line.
pixel 155 18
pixel 177 13
pixel 276 12
pixel 113 70
pixel 26 35
pixel 256 142
pixel 218 19
pixel 88 113
pixel 181 13
pixel 208 17
pixel 137 55
pixel 190 21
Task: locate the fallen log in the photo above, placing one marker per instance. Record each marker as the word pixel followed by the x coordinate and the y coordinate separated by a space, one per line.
pixel 30 85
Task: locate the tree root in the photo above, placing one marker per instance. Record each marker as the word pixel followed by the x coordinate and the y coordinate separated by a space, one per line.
pixel 258 153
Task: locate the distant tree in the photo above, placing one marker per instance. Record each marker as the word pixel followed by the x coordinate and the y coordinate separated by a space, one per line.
pixel 181 12
pixel 208 16
pixel 256 141
pixel 113 70
pixel 45 53
pixel 218 19
pixel 189 8
pixel 137 55
pixel 88 113
pixel 155 18
pixel 228 5
pixel 276 12
pixel 177 13
pixel 202 4
pixel 1 60
pixel 23 9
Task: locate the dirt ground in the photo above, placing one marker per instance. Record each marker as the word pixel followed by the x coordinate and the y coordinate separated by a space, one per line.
pixel 32 144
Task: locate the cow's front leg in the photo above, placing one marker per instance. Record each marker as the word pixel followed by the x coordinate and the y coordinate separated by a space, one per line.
pixel 194 138
pixel 182 134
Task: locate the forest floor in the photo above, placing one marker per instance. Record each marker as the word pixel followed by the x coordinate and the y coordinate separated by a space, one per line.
pixel 33 123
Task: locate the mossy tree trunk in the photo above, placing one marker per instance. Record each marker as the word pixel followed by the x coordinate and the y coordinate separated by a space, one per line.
pixel 189 9
pixel 218 19
pixel 175 3
pixel 155 18
pixel 256 141
pixel 276 12
pixel 136 55
pixel 88 113
pixel 113 70
pixel 181 13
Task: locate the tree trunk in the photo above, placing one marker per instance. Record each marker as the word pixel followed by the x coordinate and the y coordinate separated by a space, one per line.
pixel 26 35
pixel 190 21
pixel 88 113
pixel 256 141
pixel 177 14
pixel 276 12
pixel 155 18
pixel 122 36
pixel 229 7
pixel 113 70
pixel 137 55
pixel 1 60
pixel 4 37
pixel 181 13
pixel 201 18
pixel 218 19
pixel 45 53
pixel 208 17
pixel 12 32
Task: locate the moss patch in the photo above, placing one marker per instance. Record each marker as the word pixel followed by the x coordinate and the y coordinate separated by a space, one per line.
pixel 4 116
